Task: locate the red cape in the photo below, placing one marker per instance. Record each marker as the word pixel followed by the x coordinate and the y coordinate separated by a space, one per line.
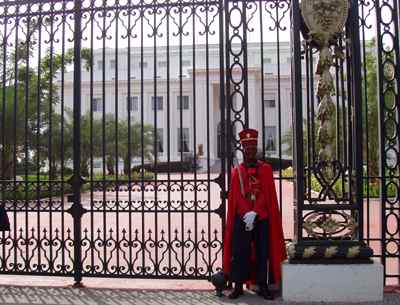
pixel 277 250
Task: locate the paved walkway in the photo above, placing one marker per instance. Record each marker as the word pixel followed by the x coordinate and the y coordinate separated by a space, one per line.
pixel 13 295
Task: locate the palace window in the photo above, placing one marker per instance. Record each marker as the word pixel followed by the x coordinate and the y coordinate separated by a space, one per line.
pixel 269 103
pixel 97 105
pixel 270 138
pixel 157 102
pixel 183 102
pixel 133 103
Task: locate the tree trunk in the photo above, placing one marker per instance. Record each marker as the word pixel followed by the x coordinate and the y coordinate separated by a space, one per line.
pixel 110 166
pixel 85 168
pixel 7 171
pixel 126 165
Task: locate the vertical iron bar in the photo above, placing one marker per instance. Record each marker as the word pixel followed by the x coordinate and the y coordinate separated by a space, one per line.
pixel 14 134
pixel 130 267
pixel 343 114
pixel 50 131
pixel 181 9
pixel 142 12
pixel 90 118
pixel 365 93
pixel 62 146
pixel 309 85
pixel 312 159
pixel 155 138
pixel 38 122
pixel 298 118
pixel 76 183
pixel 262 79
pixel 245 65
pixel 103 134
pixel 26 152
pixel 3 134
pixel 117 184
pixel 168 12
pixel 350 122
pixel 337 96
pixel 194 135
pixel 278 62
pixel 344 118
pixel 208 147
pixel 222 103
pixel 356 103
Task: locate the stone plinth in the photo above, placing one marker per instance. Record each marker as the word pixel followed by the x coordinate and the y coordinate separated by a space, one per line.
pixel 332 283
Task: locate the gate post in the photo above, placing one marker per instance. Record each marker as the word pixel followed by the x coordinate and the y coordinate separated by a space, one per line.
pixel 328 221
pixel 329 162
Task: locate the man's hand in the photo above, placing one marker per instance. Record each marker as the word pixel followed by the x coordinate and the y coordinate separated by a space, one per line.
pixel 248 219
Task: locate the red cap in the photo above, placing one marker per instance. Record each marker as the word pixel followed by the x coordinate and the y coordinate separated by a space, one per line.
pixel 248 137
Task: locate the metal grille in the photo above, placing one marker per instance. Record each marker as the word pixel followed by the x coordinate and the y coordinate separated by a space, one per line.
pixel 119 122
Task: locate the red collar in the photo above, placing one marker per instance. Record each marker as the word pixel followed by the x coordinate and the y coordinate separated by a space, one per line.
pixel 253 170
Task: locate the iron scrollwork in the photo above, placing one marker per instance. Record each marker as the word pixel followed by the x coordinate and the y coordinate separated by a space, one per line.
pixel 325 21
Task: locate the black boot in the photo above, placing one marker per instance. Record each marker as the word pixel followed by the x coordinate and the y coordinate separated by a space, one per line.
pixel 237 291
pixel 265 292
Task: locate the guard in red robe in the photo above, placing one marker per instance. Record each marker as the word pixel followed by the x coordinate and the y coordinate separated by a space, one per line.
pixel 253 243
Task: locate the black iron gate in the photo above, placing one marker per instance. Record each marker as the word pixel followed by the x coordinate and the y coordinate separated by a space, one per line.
pixel 116 116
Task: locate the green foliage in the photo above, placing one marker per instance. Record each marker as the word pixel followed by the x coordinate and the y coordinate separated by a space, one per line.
pixel 32 131
pixel 307 128
pixel 371 189
pixel 119 142
pixel 288 172
pixel 370 113
pixel 28 189
pixel 28 99
pixel 147 175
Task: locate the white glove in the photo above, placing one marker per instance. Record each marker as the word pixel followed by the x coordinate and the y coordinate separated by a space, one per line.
pixel 248 219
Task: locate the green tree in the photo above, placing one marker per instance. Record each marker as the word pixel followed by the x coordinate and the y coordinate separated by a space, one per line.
pixel 28 98
pixel 115 135
pixel 60 139
pixel 370 111
pixel 288 140
pixel 136 136
pixel 27 106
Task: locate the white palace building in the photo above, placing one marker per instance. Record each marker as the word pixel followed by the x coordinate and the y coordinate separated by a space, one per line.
pixel 199 86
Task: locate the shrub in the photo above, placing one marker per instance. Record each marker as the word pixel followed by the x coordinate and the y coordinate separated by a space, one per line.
pixel 165 167
pixel 373 185
pixel 287 172
pixel 147 175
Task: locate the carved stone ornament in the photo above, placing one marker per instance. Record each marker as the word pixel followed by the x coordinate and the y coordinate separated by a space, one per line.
pixel 324 18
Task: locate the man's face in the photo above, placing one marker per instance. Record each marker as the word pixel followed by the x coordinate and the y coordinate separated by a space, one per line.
pixel 250 152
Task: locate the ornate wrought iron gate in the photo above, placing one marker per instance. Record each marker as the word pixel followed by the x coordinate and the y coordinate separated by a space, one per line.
pixel 118 127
